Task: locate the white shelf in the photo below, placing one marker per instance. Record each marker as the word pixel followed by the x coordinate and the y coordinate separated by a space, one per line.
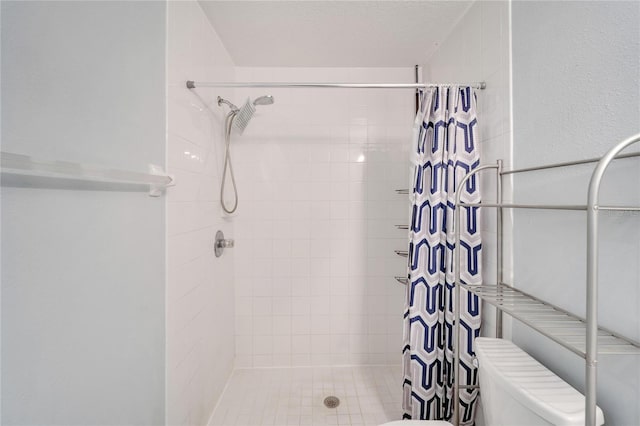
pixel 27 166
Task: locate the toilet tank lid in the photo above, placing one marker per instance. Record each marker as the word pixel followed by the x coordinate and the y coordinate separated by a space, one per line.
pixel 531 383
pixel 417 423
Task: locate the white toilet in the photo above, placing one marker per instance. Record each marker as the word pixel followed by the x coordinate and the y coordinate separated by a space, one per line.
pixel 518 390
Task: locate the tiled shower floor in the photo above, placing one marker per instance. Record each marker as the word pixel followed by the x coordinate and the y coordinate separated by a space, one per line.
pixel 369 395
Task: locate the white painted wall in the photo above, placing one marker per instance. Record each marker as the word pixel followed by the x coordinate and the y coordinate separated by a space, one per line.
pixel 576 92
pixel 477 49
pixel 200 308
pixel 83 265
pixel 315 228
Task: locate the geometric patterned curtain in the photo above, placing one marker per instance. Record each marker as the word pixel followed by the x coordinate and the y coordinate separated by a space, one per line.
pixel 445 149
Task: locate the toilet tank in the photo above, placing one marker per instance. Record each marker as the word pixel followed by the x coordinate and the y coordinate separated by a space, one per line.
pixel 519 391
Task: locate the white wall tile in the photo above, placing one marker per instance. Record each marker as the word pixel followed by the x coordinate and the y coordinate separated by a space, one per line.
pixel 316 181
pixel 201 339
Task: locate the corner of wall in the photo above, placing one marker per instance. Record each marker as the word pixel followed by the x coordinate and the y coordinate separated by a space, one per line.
pixel 200 287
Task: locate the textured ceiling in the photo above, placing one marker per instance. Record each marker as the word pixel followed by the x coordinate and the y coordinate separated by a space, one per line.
pixel 392 33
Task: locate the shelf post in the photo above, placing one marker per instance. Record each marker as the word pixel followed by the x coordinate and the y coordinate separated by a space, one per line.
pixel 499 246
pixel 455 398
pixel 592 279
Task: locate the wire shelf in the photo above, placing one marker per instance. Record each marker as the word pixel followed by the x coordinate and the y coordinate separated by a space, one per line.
pixel 559 325
pixel 402 280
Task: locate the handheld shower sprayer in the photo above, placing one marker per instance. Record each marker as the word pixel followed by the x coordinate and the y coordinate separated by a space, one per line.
pixel 238 118
pixel 244 114
pixel 264 100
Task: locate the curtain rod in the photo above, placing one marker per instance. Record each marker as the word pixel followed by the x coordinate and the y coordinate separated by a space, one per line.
pixel 476 85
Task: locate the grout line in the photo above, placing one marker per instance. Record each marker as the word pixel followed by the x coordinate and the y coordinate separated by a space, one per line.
pixel 221 397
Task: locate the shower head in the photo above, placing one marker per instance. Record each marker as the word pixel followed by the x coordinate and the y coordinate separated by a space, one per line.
pixel 245 114
pixel 264 100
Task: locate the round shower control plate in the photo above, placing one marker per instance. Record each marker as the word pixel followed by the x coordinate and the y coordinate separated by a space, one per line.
pixel 221 243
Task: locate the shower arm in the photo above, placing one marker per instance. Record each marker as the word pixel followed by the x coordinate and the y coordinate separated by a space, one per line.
pixel 227 103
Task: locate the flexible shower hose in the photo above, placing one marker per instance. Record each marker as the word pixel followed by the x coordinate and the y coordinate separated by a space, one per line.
pixel 228 122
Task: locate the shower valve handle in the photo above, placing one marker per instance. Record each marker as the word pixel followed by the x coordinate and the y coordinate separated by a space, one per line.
pixel 225 243
pixel 221 243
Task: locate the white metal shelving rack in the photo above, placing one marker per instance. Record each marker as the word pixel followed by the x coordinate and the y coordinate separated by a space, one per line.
pixel 581 336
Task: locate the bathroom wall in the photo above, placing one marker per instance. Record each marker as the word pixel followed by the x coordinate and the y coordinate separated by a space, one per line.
pixel 576 93
pixel 315 227
pixel 83 264
pixel 477 49
pixel 200 308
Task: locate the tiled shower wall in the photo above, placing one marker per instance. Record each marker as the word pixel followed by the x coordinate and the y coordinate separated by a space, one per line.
pixel 315 228
pixel 199 286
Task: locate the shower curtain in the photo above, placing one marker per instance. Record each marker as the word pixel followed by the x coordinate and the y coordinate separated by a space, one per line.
pixel 445 149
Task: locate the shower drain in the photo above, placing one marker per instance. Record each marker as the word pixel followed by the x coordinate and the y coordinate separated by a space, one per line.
pixel 331 402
